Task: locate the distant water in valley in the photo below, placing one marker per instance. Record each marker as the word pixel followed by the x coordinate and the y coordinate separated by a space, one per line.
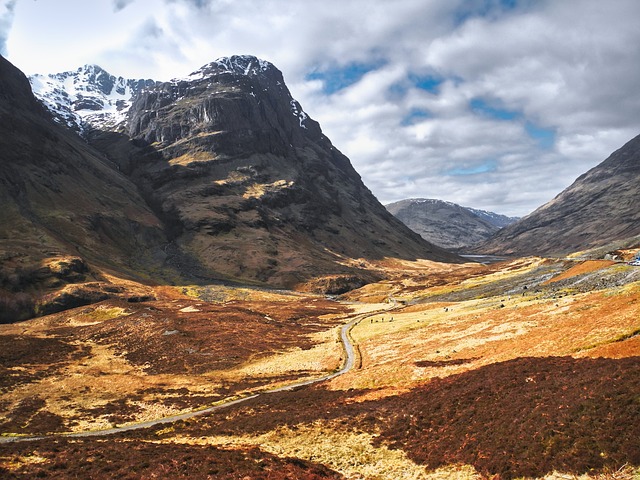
pixel 484 259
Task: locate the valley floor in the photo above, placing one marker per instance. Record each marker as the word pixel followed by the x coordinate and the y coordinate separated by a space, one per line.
pixel 524 368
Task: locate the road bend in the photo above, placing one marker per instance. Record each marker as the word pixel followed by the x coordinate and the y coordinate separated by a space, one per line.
pixel 347 365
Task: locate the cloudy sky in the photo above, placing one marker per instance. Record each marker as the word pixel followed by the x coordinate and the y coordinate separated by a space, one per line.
pixel 493 104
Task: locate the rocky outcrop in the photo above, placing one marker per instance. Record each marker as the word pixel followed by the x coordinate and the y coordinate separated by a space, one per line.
pixel 599 208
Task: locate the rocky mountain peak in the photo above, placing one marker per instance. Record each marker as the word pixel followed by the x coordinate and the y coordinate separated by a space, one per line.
pixel 90 98
pixel 87 98
pixel 246 184
pixel 90 76
pixel 232 96
pixel 238 65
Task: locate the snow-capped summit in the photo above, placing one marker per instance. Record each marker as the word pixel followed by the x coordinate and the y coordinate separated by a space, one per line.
pixel 89 97
pixel 236 64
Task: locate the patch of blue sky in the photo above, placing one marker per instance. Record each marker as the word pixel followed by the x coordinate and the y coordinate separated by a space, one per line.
pixel 429 83
pixel 480 106
pixel 546 137
pixel 337 78
pixel 486 166
pixel 483 8
pixel 415 115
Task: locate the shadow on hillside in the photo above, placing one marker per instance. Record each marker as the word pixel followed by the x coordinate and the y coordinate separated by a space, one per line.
pixel 64 458
pixel 524 417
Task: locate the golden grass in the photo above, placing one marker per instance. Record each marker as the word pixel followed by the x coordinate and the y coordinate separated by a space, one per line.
pixel 14 463
pixel 324 357
pixel 191 157
pixel 484 331
pixel 349 453
pixel 222 294
pixel 103 376
pixel 98 314
pixel 393 340
pixel 353 455
pixel 234 178
pixel 258 190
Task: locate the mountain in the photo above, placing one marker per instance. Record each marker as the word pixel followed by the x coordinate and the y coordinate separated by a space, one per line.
pixel 600 207
pixel 217 176
pixel 88 97
pixel 249 184
pixel 64 207
pixel 446 224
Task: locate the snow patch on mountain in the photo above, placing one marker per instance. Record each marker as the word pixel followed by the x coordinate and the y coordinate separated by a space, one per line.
pixel 87 98
pixel 297 111
pixel 237 64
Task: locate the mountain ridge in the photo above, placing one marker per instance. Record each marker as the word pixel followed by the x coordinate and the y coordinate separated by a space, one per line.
pixel 67 214
pixel 235 162
pixel 88 97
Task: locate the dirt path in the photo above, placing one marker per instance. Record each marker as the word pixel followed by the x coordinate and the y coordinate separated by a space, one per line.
pixel 347 366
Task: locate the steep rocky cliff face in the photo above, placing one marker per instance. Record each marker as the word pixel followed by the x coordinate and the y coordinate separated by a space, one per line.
pixel 599 208
pixel 446 224
pixel 248 183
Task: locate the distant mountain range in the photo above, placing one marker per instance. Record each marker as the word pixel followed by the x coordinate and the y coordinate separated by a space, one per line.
pixel 599 208
pixel 447 224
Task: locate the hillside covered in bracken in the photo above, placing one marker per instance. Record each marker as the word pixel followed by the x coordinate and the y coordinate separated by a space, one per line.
pixel 527 368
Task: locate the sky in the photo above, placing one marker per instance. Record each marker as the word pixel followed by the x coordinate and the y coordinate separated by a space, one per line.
pixel 491 104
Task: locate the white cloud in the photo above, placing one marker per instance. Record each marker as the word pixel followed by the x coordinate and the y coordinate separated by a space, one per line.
pixel 563 75
pixel 6 19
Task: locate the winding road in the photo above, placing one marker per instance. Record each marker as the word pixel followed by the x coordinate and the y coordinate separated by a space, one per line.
pixel 347 365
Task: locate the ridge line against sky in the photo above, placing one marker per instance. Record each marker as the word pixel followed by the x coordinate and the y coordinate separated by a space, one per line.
pixel 491 104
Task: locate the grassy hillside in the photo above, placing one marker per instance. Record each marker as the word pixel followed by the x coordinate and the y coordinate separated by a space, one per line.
pixel 526 368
